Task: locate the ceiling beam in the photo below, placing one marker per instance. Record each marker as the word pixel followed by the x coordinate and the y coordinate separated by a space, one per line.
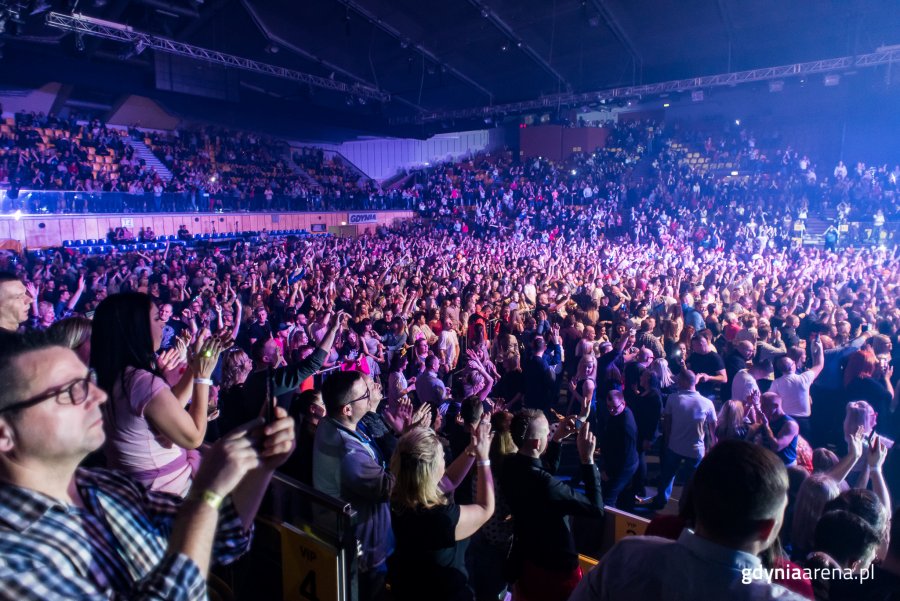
pixel 637 61
pixel 885 55
pixel 88 26
pixel 518 42
pixel 419 47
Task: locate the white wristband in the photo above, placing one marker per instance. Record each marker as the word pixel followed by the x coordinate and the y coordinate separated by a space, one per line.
pixel 206 381
pixel 484 462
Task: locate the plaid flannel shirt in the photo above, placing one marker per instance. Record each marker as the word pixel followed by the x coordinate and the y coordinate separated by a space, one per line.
pixel 114 548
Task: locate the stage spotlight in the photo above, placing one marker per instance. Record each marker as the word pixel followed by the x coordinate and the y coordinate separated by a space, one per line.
pixel 79 42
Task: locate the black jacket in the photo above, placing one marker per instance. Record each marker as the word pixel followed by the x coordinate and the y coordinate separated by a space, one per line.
pixel 540 502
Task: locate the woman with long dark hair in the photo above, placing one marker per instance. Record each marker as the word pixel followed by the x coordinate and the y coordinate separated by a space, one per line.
pixel 148 431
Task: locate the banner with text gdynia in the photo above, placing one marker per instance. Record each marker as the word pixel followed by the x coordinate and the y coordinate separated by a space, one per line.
pixel 362 218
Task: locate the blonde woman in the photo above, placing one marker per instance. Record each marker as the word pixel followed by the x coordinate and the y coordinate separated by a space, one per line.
pixel 73 333
pixel 814 493
pixel 660 368
pixel 427 525
pixel 731 423
pixel 584 384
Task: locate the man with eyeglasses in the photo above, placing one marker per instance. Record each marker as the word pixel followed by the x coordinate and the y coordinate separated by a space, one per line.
pixel 70 533
pixel 347 464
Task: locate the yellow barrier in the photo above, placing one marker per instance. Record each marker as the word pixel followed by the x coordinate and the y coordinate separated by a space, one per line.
pixel 310 569
pixel 587 563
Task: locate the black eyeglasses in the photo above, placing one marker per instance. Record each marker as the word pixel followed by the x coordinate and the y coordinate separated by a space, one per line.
pixel 77 391
pixel 366 396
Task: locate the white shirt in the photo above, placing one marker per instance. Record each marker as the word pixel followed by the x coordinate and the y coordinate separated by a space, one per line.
pixel 794 392
pixel 649 567
pixel 743 386
pixel 448 342
pixel 688 411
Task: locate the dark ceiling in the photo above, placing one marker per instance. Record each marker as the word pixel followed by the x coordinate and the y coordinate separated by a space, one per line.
pixel 447 54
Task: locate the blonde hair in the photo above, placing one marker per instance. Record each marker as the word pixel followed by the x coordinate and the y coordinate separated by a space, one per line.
pixel 660 367
pixel 415 465
pixel 814 493
pixel 236 366
pixel 70 332
pixel 581 371
pixel 730 420
pixel 859 413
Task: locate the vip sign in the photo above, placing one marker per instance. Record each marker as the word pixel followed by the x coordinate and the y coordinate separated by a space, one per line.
pixel 309 567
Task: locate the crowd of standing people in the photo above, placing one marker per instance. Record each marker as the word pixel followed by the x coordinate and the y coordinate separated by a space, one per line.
pixel 435 373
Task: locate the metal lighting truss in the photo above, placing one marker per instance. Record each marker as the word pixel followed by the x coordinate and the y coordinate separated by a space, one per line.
pixel 882 56
pixel 84 25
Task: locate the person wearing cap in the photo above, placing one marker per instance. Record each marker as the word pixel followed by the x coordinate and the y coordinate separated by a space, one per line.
pixel 282 334
pixel 348 465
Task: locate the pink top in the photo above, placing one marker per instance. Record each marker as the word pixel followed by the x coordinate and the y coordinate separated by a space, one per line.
pixel 134 446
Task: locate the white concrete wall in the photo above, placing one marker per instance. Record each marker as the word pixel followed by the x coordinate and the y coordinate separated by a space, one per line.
pixel 380 158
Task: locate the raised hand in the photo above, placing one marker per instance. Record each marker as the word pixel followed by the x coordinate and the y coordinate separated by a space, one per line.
pixel 206 357
pixel 855 442
pixel 586 443
pixel 226 462
pixel 33 290
pixel 877 453
pixel 564 428
pixel 422 416
pixel 481 439
pixel 169 360
pixel 276 440
pixel 399 416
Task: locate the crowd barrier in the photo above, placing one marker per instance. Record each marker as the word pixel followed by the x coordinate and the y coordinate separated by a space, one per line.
pixel 304 549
